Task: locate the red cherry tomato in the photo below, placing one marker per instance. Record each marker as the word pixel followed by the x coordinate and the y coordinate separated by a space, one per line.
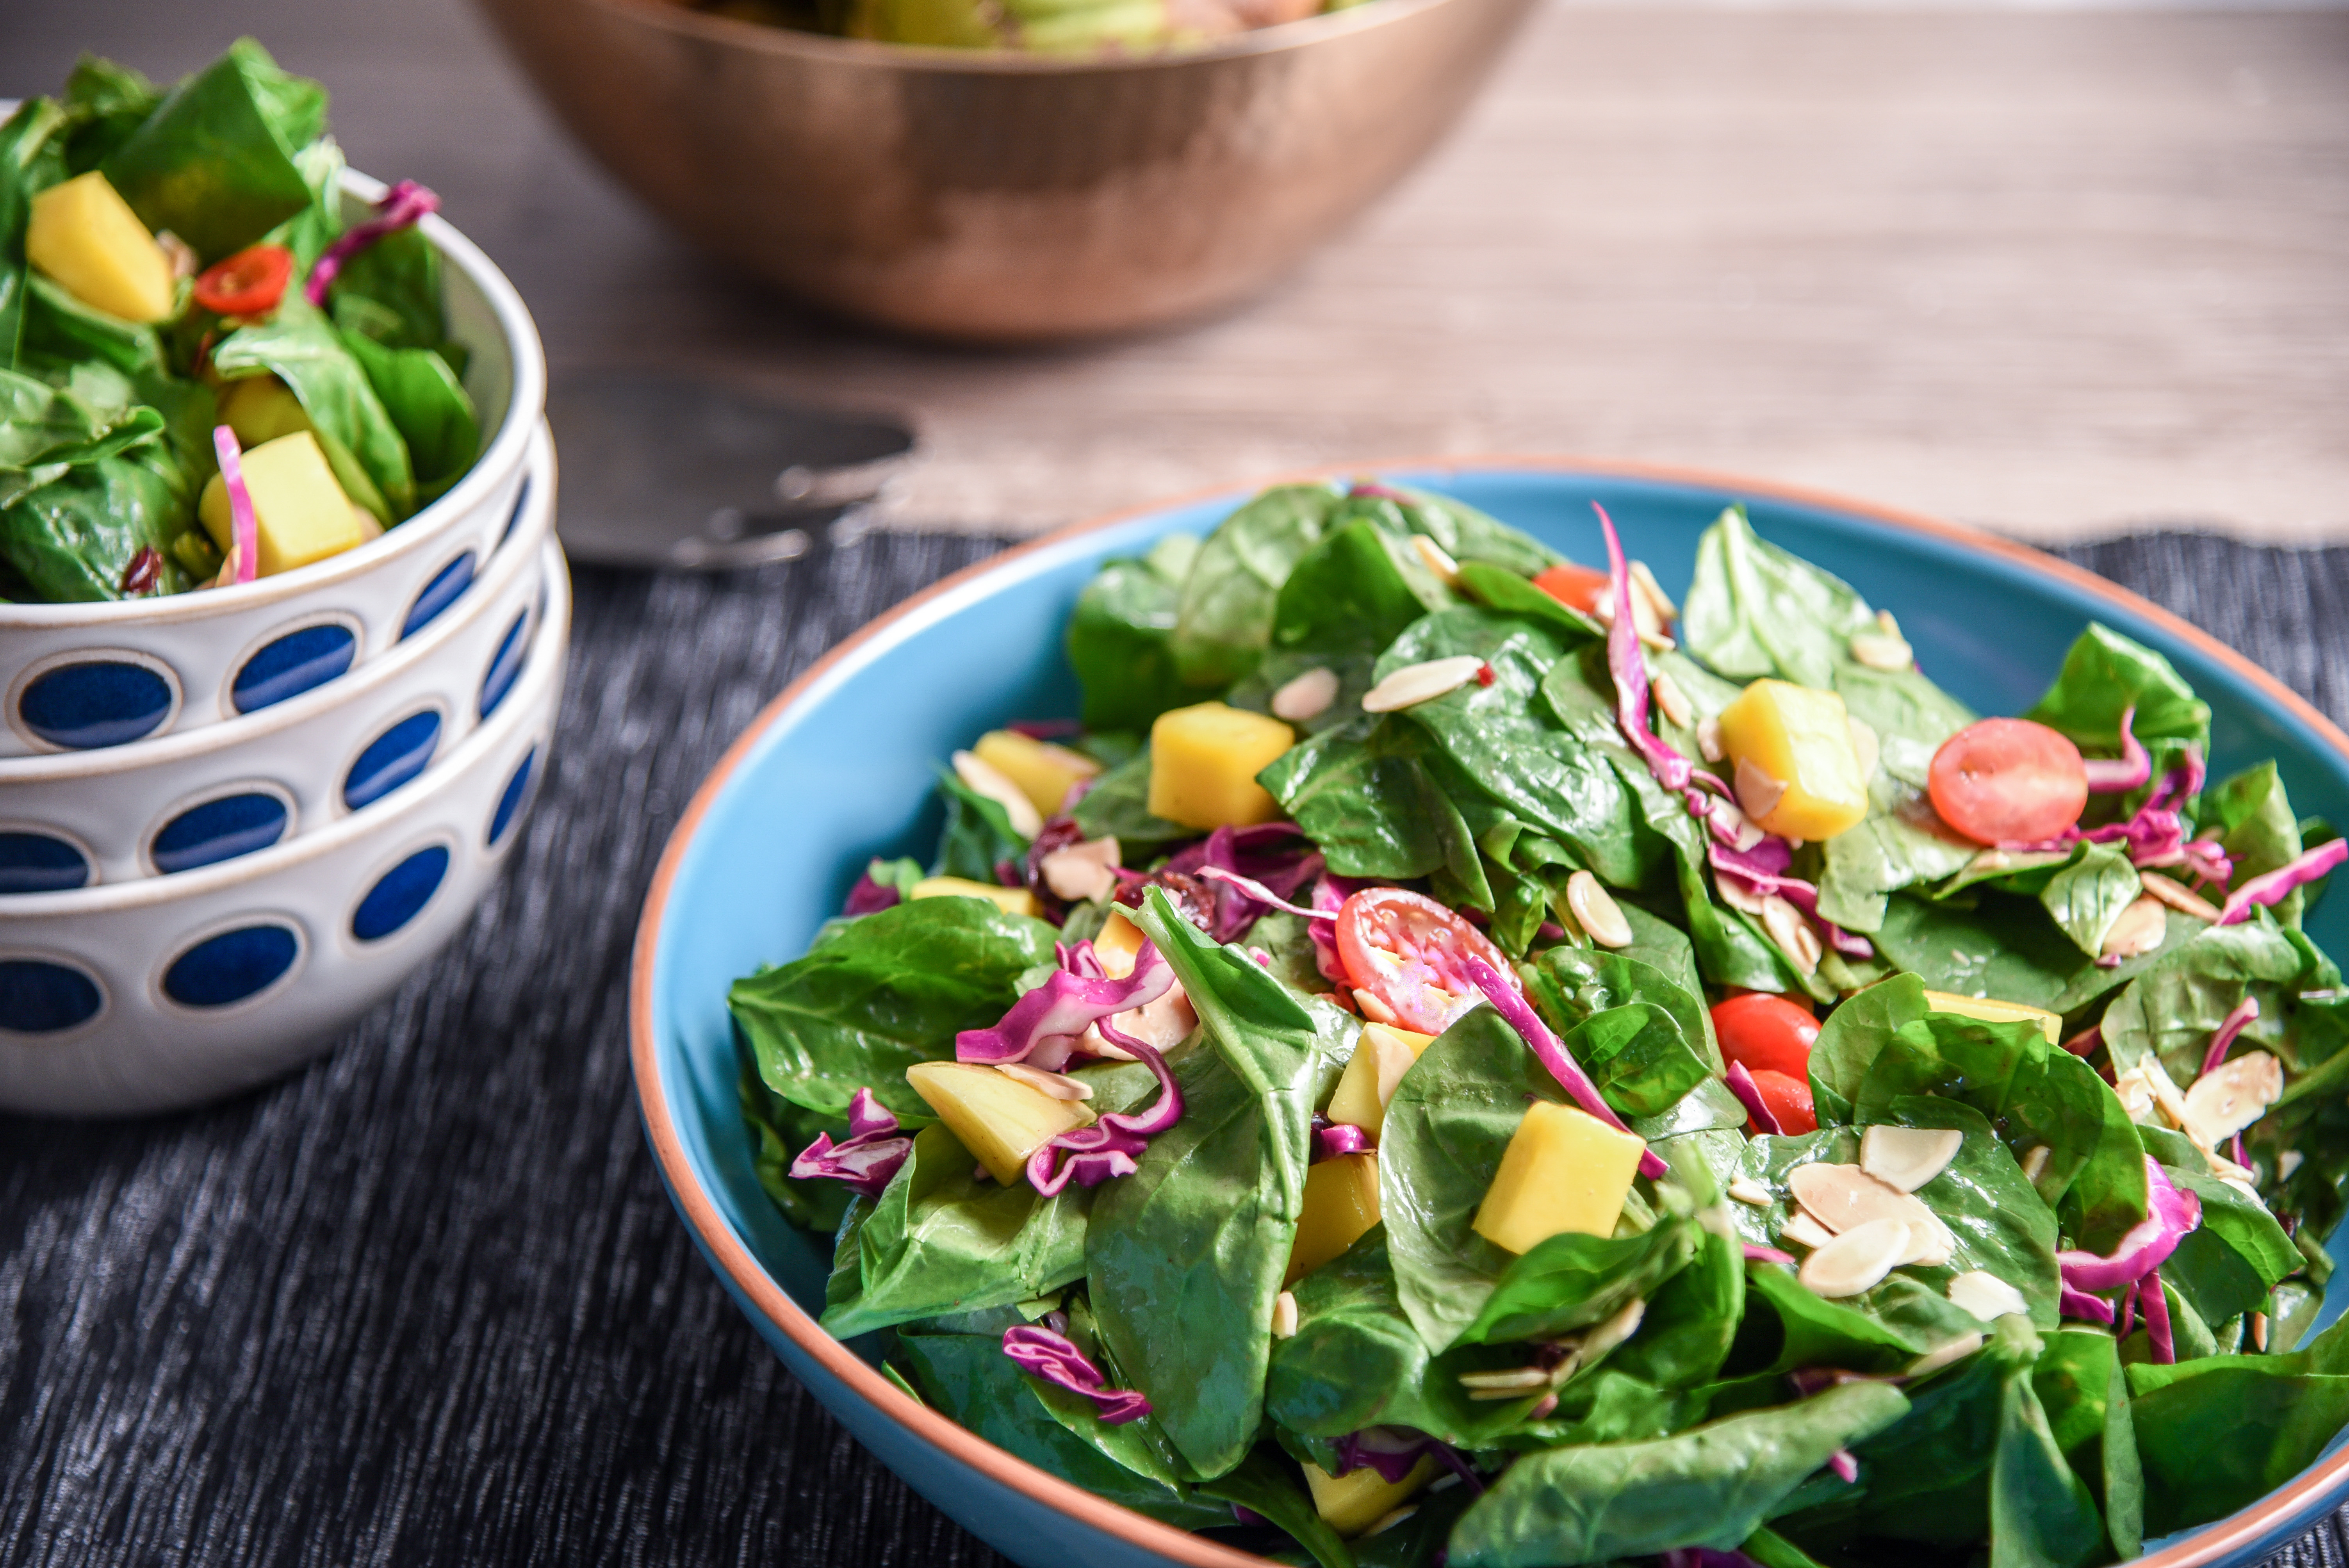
pixel 1788 1099
pixel 2008 781
pixel 1767 1032
pixel 249 282
pixel 1576 587
pixel 1404 949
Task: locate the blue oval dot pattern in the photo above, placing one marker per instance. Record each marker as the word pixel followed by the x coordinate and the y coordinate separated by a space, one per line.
pixel 218 831
pixel 510 801
pixel 227 968
pixel 400 894
pixel 37 997
pixel 391 759
pixel 505 666
pixel 101 702
pixel 448 585
pixel 35 863
pixel 293 664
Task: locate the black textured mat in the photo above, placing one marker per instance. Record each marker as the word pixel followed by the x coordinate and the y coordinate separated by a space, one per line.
pixel 426 1303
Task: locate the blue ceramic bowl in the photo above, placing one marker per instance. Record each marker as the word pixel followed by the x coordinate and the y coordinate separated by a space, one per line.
pixel 838 770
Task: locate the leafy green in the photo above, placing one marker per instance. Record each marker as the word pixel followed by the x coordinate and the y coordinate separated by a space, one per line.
pixel 2215 1434
pixel 2042 1514
pixel 214 163
pixel 1571 1281
pixel 1121 635
pixel 1574 985
pixel 300 345
pixel 1466 534
pixel 76 537
pixel 1222 617
pixel 1118 805
pixel 106 103
pixel 1371 803
pixel 2171 1010
pixel 1264 1485
pixel 2257 829
pixel 782 1130
pixel 1754 610
pixel 2078 1381
pixel 390 292
pixel 2086 894
pixel 977 835
pixel 1349 596
pixel 427 405
pixel 2104 673
pixel 881 993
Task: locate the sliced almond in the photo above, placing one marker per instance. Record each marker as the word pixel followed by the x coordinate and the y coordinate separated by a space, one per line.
pixel 1389 1520
pixel 1436 560
pixel 2174 894
pixel 1802 1229
pixel 1988 861
pixel 2223 1102
pixel 1422 682
pixel 2034 1161
pixel 1757 791
pixel 1881 646
pixel 1060 1086
pixel 984 778
pixel 1865 746
pixel 1284 1316
pixel 1595 911
pixel 1942 1354
pixel 1514 1380
pixel 1671 699
pixel 1844 1197
pixel 1856 1260
pixel 1987 1297
pixel 1308 696
pixel 1083 870
pixel 2139 929
pixel 1738 896
pixel 1646 590
pixel 1708 738
pixel 1376 1011
pixel 1616 1329
pixel 1792 933
pixel 1749 1191
pixel 1908 1157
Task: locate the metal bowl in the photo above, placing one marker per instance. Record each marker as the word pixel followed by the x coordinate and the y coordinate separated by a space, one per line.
pixel 997 197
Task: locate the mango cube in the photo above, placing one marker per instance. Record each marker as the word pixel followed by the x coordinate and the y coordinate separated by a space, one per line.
pixel 1009 900
pixel 89 241
pixel 260 409
pixel 1341 1201
pixel 1043 771
pixel 1563 1170
pixel 1381 1058
pixel 999 1119
pixel 1353 1502
pixel 1118 945
pixel 1801 737
pixel 1204 761
pixel 300 514
pixel 1997 1012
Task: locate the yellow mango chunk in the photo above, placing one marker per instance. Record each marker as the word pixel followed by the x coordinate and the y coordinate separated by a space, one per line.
pixel 1997 1012
pixel 89 241
pixel 1381 1058
pixel 1353 1502
pixel 260 409
pixel 1565 1169
pixel 1204 761
pixel 999 1119
pixel 1117 947
pixel 1341 1201
pixel 1043 771
pixel 1011 899
pixel 300 514
pixel 1800 737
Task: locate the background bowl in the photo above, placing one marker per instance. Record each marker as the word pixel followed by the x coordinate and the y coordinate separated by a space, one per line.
pixel 208 794
pixel 773 841
pixel 153 994
pixel 996 196
pixel 74 677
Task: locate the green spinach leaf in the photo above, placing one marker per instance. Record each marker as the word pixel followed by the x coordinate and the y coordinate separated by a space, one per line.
pixel 214 163
pixel 1222 617
pixel 1120 637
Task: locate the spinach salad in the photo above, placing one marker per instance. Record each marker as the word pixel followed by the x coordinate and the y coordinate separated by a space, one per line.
pixel 205 375
pixel 1456 1058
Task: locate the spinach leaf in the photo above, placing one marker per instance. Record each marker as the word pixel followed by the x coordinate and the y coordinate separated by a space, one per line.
pixel 780 1130
pixel 29 162
pixel 1509 592
pixel 1187 1254
pixel 2004 946
pixel 2087 893
pixel 977 835
pixel 1368 800
pixel 59 330
pixel 428 407
pixel 1852 1036
pixel 883 992
pixel 2217 1434
pixel 2079 1383
pixel 390 292
pixel 1710 1486
pixel 1692 1318
pixel 2042 1514
pixel 362 444
pixel 1754 610
pixel 1119 637
pixel 1571 1281
pixel 46 431
pixel 1418 1542
pixel 2171 1010
pixel 1802 1329
pixel 106 103
pixel 2259 831
pixel 75 537
pixel 1466 534
pixel 1349 597
pixel 2227 1264
pixel 1118 805
pixel 1570 985
pixel 2104 673
pixel 214 163
pixel 1638 1057
pixel 1887 851
pixel 1264 1485
pixel 1222 617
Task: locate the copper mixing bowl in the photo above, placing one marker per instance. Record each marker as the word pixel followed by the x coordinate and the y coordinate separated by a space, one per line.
pixel 998 197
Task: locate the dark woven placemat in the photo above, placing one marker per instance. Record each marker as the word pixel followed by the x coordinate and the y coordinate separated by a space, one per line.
pixel 426 1301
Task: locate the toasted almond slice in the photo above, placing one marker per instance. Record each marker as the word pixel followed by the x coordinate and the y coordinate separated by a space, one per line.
pixel 1284 1316
pixel 1646 589
pixel 1878 652
pixel 1060 1086
pixel 1708 738
pixel 1792 933
pixel 1757 791
pixel 2174 894
pixel 1908 1157
pixel 1857 1260
pixel 2139 929
pixel 1749 1191
pixel 1987 1297
pixel 1436 560
pixel 1737 895
pixel 1595 911
pixel 1422 682
pixel 1609 1334
pixel 1376 1011
pixel 1515 1379
pixel 1671 699
pixel 2223 1102
pixel 1802 1229
pixel 1844 1197
pixel 1308 696
pixel 984 778
pixel 1865 746
pixel 1942 1354
pixel 2034 1161
pixel 1083 871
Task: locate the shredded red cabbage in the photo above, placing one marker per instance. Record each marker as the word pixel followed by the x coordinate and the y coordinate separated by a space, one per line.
pixel 1269 861
pixel 2135 766
pixel 1629 667
pixel 2157 1318
pixel 1330 896
pixel 2246 1011
pixel 1045 1027
pixel 1510 1003
pixel 2128 1312
pixel 1749 1095
pixel 2081 1304
pixel 1761 871
pixel 1846 1465
pixel 403 204
pixel 2271 887
pixel 244 533
pixel 1706 1557
pixel 1337 1137
pixel 1257 891
pixel 2088 1042
pixel 1045 1353
pixel 2169 1215
pixel 1395 1451
pixel 2156 834
pixel 867 1159
pixel 1045 728
pixel 869 897
pixel 1761 1254
pixel 1112 1147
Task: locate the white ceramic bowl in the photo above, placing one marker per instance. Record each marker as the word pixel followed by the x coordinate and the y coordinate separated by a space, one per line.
pixel 205 795
pixel 75 677
pixel 151 994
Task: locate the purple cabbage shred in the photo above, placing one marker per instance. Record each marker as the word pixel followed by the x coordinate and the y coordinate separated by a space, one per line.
pixel 871 1154
pixel 1749 1095
pixel 2169 1215
pixel 1112 1147
pixel 2246 1012
pixel 2269 887
pixel 1395 1451
pixel 870 897
pixel 1846 1465
pixel 1263 866
pixel 1706 1557
pixel 1761 871
pixel 2130 772
pixel 1756 1254
pixel 2156 1302
pixel 1630 668
pixel 1045 1353
pixel 1510 1002
pixel 1339 1137
pixel 404 205
pixel 1046 1027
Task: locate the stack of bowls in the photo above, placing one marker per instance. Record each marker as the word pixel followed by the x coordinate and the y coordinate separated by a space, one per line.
pixel 233 821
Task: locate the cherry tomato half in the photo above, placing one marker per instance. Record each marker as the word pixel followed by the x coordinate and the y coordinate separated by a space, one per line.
pixel 1767 1032
pixel 1576 587
pixel 249 282
pixel 1788 1099
pixel 1404 949
pixel 2008 781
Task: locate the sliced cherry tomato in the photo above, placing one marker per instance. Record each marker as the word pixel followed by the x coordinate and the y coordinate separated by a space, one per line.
pixel 1576 587
pixel 1404 949
pixel 1788 1099
pixel 1767 1032
pixel 249 282
pixel 2008 781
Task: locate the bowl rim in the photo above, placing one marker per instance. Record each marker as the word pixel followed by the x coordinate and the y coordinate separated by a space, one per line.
pixel 364 675
pixel 727 1252
pixel 760 37
pixel 525 406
